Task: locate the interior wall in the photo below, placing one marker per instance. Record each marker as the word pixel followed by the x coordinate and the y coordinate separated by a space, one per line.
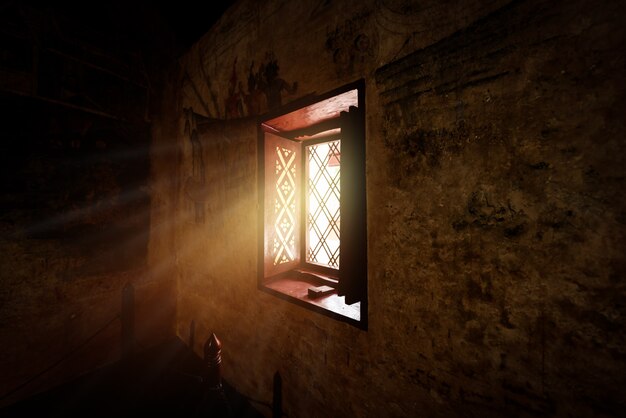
pixel 75 218
pixel 73 236
pixel 495 212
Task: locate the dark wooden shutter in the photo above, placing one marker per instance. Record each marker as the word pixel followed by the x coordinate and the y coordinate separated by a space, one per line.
pixel 353 264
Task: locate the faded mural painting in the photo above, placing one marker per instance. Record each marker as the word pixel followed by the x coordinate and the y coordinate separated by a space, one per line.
pixel 253 84
pixel 353 44
pixel 264 89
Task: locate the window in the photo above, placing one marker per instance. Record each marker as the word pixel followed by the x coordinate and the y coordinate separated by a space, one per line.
pixel 313 248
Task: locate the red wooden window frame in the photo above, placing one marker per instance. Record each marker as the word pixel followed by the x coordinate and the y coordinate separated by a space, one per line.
pixel 339 114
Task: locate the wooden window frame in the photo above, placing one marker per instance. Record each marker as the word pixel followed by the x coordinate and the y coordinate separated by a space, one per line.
pixel 350 280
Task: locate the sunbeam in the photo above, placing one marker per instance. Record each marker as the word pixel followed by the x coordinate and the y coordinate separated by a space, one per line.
pixel 404 208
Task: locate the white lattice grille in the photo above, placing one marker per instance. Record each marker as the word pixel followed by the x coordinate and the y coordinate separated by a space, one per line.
pixel 322 236
pixel 283 249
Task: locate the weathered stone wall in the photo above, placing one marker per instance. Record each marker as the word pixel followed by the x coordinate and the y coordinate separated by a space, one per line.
pixel 495 206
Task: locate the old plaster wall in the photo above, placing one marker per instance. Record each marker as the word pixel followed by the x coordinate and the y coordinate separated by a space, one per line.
pixel 495 213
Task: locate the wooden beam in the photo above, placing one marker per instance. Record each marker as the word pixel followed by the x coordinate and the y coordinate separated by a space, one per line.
pixel 325 125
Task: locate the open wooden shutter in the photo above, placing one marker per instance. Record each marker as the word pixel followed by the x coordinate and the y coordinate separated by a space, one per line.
pixel 281 204
pixel 353 268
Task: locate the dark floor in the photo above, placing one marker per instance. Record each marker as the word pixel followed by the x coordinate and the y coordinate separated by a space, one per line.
pixel 158 382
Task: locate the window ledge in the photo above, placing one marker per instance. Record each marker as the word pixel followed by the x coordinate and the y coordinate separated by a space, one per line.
pixel 295 288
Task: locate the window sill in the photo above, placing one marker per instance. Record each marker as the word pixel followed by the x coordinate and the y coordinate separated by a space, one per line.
pixel 295 288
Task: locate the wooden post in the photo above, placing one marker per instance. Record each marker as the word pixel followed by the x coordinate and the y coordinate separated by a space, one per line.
pixel 216 402
pixel 213 361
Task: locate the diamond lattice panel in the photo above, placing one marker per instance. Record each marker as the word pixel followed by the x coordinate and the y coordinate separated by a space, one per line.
pixel 323 169
pixel 283 249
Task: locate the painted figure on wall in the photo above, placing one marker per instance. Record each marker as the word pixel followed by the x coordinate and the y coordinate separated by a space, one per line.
pixel 265 89
pixel 274 85
pixel 255 99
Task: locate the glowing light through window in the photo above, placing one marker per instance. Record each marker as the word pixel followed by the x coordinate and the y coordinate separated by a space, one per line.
pixel 322 203
pixel 283 249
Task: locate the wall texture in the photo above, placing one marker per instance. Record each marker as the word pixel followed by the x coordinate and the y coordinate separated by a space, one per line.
pixel 495 209
pixel 75 214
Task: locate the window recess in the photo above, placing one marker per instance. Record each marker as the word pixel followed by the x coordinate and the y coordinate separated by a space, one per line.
pixel 313 249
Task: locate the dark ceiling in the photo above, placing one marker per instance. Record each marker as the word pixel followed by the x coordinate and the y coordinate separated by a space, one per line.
pixel 108 58
pixel 189 21
pixel 80 83
pixel 159 28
